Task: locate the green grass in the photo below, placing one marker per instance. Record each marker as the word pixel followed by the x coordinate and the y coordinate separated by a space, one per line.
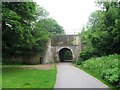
pixel 13 77
pixel 0 80
pixel 104 68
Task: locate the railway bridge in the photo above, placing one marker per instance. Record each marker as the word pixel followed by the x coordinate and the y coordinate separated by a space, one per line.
pixel 59 44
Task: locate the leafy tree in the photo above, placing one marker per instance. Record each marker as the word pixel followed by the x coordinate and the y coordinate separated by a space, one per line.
pixel 26 28
pixel 52 26
pixel 15 24
pixel 102 36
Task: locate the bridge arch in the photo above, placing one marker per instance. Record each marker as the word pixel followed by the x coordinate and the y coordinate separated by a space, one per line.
pixel 62 52
pixel 58 44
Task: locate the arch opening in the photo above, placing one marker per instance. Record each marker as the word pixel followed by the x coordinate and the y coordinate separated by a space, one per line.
pixel 65 55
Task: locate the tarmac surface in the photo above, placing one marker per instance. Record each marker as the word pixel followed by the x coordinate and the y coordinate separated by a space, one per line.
pixel 69 76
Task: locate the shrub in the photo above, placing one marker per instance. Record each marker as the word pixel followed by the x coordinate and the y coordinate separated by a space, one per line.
pixel 87 54
pixel 79 62
pixel 104 67
pixel 112 76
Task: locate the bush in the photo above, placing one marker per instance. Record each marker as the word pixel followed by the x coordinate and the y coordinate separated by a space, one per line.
pixel 79 62
pixel 104 67
pixel 9 61
pixel 112 76
pixel 87 54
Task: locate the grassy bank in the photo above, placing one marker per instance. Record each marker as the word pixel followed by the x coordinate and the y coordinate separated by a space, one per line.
pixel 13 77
pixel 105 69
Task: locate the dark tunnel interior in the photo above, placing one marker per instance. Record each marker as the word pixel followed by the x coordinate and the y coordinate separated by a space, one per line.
pixel 65 55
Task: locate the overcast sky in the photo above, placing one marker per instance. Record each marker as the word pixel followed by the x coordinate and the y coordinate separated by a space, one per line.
pixel 72 15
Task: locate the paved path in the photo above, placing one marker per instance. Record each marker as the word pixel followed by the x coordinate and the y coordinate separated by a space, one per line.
pixel 69 76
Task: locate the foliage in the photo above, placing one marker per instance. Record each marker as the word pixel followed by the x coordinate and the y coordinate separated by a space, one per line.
pixel 67 55
pixel 79 62
pixel 17 19
pixel 101 38
pixel 112 76
pixel 28 78
pixel 86 55
pixel 104 67
pixel 52 26
pixel 102 34
pixel 26 28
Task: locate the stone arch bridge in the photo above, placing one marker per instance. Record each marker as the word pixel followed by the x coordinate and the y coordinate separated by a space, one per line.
pixel 59 44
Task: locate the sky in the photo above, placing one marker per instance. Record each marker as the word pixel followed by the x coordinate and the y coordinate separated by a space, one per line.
pixel 72 15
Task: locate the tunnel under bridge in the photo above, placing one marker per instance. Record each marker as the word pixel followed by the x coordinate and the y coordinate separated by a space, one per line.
pixel 62 48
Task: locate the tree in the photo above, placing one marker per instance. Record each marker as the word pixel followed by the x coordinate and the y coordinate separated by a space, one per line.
pixel 103 31
pixel 18 20
pixel 51 26
pixel 26 28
